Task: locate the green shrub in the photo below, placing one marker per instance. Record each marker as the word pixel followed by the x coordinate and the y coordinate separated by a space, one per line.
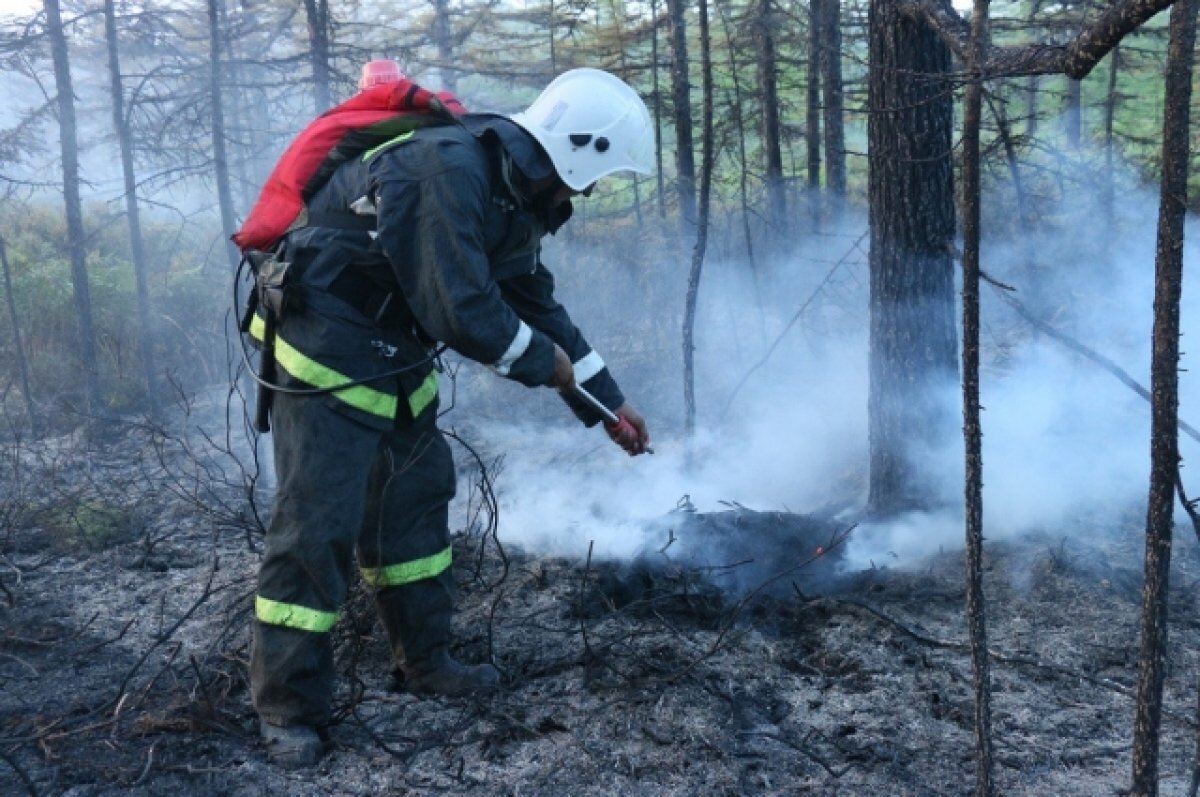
pixel 85 524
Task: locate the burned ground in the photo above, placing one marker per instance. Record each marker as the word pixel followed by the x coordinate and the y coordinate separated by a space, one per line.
pixel 123 647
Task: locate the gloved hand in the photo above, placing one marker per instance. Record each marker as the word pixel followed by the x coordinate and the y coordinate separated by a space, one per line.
pixel 630 434
pixel 564 372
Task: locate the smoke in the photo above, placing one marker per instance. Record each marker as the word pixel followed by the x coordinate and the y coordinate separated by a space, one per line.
pixel 791 437
pixel 1066 445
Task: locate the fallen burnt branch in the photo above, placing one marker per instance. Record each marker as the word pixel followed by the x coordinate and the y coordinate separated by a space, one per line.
pixel 829 551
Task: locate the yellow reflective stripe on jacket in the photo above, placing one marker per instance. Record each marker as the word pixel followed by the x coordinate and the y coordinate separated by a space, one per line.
pixel 371 153
pixel 408 572
pixel 309 370
pixel 424 395
pixel 290 615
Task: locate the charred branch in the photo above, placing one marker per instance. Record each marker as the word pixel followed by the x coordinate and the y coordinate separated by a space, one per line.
pixel 1075 58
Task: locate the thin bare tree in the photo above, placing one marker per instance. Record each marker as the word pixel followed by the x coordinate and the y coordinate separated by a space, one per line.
pixel 137 246
pixel 22 361
pixel 685 157
pixel 1164 403
pixel 972 427
pixel 706 169
pixel 220 158
pixel 832 105
pixel 812 111
pixel 76 236
pixel 317 12
pixel 771 134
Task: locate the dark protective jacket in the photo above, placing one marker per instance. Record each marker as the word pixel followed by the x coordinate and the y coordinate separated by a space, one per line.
pixel 452 255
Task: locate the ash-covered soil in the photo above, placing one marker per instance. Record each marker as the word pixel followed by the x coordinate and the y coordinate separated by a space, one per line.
pixel 123 644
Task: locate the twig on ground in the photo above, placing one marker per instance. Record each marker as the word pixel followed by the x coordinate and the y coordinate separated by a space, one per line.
pixel 21 773
pixel 1008 659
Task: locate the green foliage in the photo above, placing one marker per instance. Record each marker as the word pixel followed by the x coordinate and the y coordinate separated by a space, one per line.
pixel 186 303
pixel 85 524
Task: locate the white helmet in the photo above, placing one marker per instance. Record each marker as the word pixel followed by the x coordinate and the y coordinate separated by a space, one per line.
pixel 591 124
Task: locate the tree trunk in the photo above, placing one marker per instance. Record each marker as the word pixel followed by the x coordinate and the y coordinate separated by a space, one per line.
pixel 706 169
pixel 1110 112
pixel 220 160
pixel 658 144
pixel 1073 119
pixel 443 38
pixel 1032 82
pixel 769 85
pixel 22 363
pixel 685 158
pixel 1164 404
pixel 132 212
pixel 831 84
pixel 76 238
pixel 812 110
pixel 739 121
pixel 972 427
pixel 317 12
pixel 551 26
pixel 913 342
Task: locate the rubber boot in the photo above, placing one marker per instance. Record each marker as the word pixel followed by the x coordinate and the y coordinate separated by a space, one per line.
pixel 292 746
pixel 440 674
pixel 417 619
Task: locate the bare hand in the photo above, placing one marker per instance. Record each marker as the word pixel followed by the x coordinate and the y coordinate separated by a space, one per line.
pixel 630 435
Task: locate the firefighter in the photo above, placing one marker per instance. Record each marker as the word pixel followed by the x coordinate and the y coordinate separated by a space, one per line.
pixel 432 237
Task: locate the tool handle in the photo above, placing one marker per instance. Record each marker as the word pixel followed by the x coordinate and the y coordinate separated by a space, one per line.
pixel 623 425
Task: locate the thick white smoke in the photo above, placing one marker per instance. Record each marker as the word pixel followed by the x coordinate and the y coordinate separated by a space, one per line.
pixel 1066 445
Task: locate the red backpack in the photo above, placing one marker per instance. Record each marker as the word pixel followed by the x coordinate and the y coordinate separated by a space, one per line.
pixel 369 118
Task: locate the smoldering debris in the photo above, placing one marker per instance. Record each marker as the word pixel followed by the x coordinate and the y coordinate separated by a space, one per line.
pixel 699 562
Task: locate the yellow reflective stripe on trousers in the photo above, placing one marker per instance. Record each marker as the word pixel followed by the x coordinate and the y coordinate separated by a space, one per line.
pixel 290 615
pixel 309 370
pixel 408 572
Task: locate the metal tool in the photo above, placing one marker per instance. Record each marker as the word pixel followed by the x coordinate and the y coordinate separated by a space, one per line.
pixel 610 417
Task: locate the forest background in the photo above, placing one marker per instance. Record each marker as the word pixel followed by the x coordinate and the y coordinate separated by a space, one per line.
pixel 766 291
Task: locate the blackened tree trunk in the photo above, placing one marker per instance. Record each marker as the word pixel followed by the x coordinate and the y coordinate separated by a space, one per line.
pixel 706 169
pixel 317 12
pixel 1164 403
pixel 220 159
pixel 913 342
pixel 443 39
pixel 132 212
pixel 76 239
pixel 22 363
pixel 771 137
pixel 685 157
pixel 972 428
pixel 832 90
pixel 812 109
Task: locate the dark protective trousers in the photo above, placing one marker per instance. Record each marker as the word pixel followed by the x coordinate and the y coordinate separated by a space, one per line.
pixel 343 485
